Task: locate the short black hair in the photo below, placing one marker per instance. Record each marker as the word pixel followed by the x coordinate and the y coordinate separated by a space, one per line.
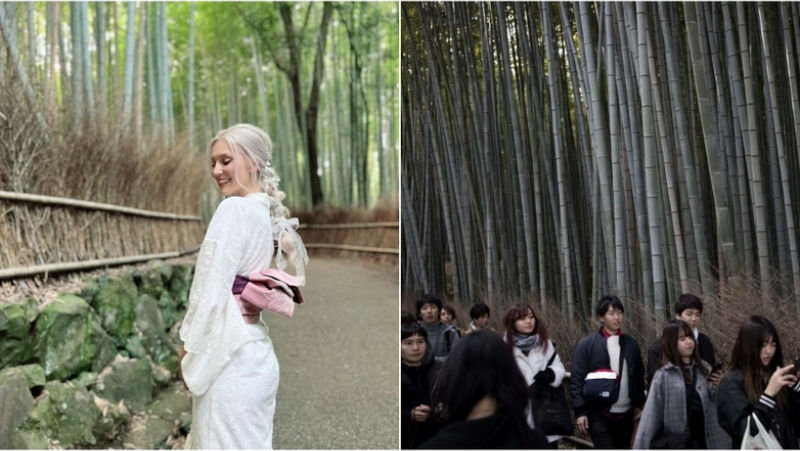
pixel 428 299
pixel 479 310
pixel 408 330
pixel 687 301
pixel 606 302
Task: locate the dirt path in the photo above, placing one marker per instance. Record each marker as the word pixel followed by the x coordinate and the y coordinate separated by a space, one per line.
pixel 339 359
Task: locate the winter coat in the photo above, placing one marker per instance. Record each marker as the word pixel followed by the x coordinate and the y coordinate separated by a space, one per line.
pixel 536 361
pixel 666 409
pixel 416 387
pixel 497 431
pixel 733 408
pixel 654 354
pixel 439 335
pixel 591 354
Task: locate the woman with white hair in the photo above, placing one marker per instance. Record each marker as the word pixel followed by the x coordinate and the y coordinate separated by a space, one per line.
pixel 227 359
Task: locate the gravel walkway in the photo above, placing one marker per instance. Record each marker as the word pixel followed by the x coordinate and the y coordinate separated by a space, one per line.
pixel 339 359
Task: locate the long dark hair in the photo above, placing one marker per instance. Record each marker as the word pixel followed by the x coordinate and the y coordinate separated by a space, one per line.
pixel 482 365
pixel 669 348
pixel 510 324
pixel 746 355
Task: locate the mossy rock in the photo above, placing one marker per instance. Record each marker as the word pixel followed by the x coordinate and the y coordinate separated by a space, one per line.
pixel 169 309
pixel 87 378
pixel 128 380
pixel 33 374
pixel 113 422
pixel 148 432
pixel 91 286
pixel 29 440
pixel 180 284
pixel 17 340
pixel 151 331
pixel 70 339
pixel 171 403
pixel 67 414
pixel 115 304
pixel 16 402
pixel 163 268
pixel 149 281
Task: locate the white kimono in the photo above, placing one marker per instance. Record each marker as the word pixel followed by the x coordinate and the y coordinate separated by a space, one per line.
pixel 230 366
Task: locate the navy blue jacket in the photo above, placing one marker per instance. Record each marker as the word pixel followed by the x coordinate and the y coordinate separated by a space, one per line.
pixel 592 354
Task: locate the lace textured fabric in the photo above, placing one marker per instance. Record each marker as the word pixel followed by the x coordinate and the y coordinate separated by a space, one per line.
pixel 238 241
pixel 280 227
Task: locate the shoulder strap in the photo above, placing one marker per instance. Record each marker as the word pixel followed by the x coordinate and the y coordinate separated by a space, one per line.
pixel 447 340
pixel 622 355
pixel 552 357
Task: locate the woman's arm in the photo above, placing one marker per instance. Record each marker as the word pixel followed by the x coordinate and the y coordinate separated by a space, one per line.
pixel 653 414
pixel 557 366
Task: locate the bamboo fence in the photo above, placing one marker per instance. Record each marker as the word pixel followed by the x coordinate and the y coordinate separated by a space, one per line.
pixel 46 234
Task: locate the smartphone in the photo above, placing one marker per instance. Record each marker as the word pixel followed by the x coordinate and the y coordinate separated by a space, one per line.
pixel 797 365
pixel 717 367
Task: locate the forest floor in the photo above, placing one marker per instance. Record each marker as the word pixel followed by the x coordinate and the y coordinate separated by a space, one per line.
pixel 339 359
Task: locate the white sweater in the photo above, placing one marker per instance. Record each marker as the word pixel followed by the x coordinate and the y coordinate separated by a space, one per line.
pixel 623 403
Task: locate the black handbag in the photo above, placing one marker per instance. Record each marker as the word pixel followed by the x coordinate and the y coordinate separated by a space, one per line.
pixel 551 413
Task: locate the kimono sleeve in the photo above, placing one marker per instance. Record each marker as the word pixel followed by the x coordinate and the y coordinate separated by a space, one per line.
pixel 213 328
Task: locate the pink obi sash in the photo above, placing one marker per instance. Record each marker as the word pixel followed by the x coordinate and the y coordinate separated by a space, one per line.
pixel 270 289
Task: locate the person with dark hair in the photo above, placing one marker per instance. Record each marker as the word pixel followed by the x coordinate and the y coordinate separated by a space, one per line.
pixel 483 398
pixel 419 370
pixel 480 318
pixel 407 318
pixel 441 337
pixel 688 309
pixel 450 316
pixel 609 420
pixel 679 412
pixel 527 338
pixel 756 382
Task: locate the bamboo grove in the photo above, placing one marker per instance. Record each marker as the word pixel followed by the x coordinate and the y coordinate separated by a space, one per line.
pixel 571 150
pixel 321 78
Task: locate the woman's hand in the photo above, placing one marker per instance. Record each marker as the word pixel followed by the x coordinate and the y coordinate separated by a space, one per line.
pixel 582 424
pixel 782 377
pixel 420 413
pixel 181 353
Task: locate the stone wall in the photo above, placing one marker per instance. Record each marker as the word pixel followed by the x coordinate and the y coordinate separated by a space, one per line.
pixel 97 368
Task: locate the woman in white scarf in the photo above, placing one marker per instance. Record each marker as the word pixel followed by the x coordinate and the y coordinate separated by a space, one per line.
pixel 227 359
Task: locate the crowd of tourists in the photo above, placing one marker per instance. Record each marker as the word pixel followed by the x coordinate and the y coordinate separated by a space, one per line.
pixel 480 388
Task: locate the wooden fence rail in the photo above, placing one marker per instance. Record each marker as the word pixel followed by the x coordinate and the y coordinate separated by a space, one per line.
pixel 86 205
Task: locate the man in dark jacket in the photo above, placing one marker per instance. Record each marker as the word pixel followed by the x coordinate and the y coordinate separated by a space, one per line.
pixel 441 337
pixel 418 373
pixel 688 309
pixel 608 418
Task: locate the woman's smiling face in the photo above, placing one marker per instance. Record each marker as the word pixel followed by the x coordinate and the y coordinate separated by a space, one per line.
pixel 232 173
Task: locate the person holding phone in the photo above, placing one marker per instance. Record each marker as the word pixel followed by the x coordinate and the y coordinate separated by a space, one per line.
pixel 679 412
pixel 757 383
pixel 688 309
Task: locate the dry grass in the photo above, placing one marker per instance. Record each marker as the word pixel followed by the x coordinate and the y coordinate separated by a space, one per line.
pixel 724 312
pixel 385 210
pixel 96 161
